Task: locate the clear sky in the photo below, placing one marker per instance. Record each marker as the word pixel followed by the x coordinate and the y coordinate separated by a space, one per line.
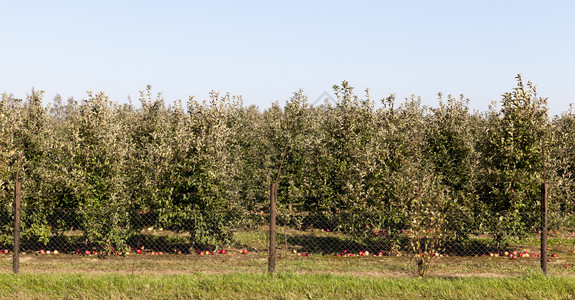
pixel 266 50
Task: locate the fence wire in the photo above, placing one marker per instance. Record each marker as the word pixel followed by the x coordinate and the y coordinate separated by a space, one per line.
pixel 238 240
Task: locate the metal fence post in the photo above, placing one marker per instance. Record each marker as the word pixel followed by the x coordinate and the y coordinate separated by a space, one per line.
pixel 272 246
pixel 544 228
pixel 16 254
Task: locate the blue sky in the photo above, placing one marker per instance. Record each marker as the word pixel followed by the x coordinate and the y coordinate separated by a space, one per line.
pixel 266 50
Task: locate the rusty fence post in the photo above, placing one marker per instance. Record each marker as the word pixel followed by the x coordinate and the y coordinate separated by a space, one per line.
pixel 272 246
pixel 16 254
pixel 544 228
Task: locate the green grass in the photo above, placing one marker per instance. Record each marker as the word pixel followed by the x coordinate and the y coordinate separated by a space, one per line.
pixel 281 286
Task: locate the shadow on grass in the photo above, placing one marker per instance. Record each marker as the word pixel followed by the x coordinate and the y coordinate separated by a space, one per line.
pixel 321 244
pixel 332 244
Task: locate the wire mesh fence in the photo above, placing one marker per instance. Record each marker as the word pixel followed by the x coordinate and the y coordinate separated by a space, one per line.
pixel 312 238
pixel 385 241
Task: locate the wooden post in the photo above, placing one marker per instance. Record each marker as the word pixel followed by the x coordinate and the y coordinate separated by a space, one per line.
pixel 272 246
pixel 544 228
pixel 16 254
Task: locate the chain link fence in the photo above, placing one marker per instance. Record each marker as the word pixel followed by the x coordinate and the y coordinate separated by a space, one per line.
pixel 160 241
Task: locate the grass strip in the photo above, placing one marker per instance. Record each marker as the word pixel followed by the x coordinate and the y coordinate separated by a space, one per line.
pixel 281 286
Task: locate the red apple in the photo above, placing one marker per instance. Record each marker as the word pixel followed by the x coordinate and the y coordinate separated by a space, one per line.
pixel 87 252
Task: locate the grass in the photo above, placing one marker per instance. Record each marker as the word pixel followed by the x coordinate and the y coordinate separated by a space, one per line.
pixel 256 263
pixel 321 245
pixel 281 286
pixel 318 276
